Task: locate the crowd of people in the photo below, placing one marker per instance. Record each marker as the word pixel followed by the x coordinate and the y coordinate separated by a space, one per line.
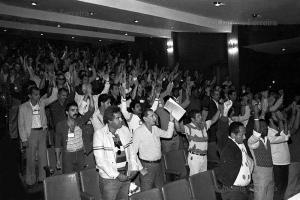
pixel 105 110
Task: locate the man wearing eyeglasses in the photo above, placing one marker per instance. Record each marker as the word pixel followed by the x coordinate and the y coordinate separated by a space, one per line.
pixel 115 159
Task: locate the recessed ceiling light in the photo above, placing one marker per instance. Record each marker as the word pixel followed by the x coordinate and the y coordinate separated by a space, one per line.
pixel 136 21
pixel 4 30
pixel 33 3
pixel 73 37
pixel 100 40
pixel 218 3
pixel 126 34
pixel 58 25
pixel 91 13
pixel 283 49
pixel 42 34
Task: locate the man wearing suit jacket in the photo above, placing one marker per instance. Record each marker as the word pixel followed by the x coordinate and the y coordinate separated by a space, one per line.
pixel 234 171
pixel 32 124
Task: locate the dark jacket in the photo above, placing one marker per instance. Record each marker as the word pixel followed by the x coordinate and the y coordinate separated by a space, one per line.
pixel 62 128
pixel 230 164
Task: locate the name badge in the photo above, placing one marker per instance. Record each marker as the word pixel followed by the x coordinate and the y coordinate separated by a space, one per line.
pixel 35 112
pixel 71 135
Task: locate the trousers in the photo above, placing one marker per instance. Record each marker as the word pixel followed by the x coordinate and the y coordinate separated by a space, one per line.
pixel 36 150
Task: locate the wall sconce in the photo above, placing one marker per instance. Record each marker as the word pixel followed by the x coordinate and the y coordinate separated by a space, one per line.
pixel 233 46
pixel 170 49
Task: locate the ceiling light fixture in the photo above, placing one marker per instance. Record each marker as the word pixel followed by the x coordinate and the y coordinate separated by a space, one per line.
pixel 58 25
pixel 100 40
pixel 218 3
pixel 91 13
pixel 42 34
pixel 283 49
pixel 33 3
pixel 4 30
pixel 73 37
pixel 136 21
pixel 126 34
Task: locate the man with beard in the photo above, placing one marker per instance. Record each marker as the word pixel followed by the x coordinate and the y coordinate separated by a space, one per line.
pixel 70 138
pixel 133 118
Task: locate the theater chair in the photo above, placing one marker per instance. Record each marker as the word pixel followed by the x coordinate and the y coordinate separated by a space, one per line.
pixel 202 186
pixel 177 190
pixel 64 187
pixel 89 180
pixel 175 165
pixel 153 194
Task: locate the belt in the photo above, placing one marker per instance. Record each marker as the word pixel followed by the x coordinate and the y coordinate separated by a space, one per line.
pixel 235 188
pixel 147 161
pixel 37 129
pixel 196 153
pixel 73 151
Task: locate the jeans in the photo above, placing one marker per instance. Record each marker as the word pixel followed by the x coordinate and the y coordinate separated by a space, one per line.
pixel 153 178
pixel 263 182
pixel 73 161
pixel 293 180
pixel 113 189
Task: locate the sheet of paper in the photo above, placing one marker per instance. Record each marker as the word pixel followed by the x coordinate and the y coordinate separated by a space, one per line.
pixel 175 109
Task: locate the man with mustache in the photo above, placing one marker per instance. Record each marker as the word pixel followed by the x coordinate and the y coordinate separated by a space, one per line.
pixel 70 138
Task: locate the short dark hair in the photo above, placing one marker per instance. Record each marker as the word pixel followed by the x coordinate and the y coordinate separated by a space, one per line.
pixel 230 92
pixel 109 113
pixel 60 90
pixel 145 113
pixel 192 113
pixel 235 127
pixel 31 88
pixel 133 103
pixel 103 98
pixel 268 117
pixel 73 103
pixel 166 98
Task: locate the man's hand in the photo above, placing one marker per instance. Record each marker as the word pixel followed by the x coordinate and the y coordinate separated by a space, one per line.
pixel 132 175
pixel 25 144
pixel 122 177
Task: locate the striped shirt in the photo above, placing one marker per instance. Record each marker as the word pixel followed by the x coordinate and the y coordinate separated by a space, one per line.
pixel 75 142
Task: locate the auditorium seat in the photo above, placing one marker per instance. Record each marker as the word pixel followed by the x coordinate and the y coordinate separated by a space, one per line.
pixel 177 190
pixel 202 186
pixel 64 187
pixel 153 194
pixel 89 180
pixel 175 165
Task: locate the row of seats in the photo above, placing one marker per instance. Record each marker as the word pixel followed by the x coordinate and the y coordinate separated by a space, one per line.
pixel 85 185
pixel 198 187
pixel 73 186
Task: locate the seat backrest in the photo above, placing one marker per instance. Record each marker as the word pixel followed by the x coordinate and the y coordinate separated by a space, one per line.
pixel 202 186
pixel 176 161
pixel 153 194
pixel 89 180
pixel 177 190
pixel 62 187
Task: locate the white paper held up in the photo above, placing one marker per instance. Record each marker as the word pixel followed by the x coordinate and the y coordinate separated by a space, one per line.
pixel 174 109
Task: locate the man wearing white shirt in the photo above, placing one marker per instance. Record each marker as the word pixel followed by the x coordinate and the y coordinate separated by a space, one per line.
pixel 133 118
pixel 280 151
pixel 146 142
